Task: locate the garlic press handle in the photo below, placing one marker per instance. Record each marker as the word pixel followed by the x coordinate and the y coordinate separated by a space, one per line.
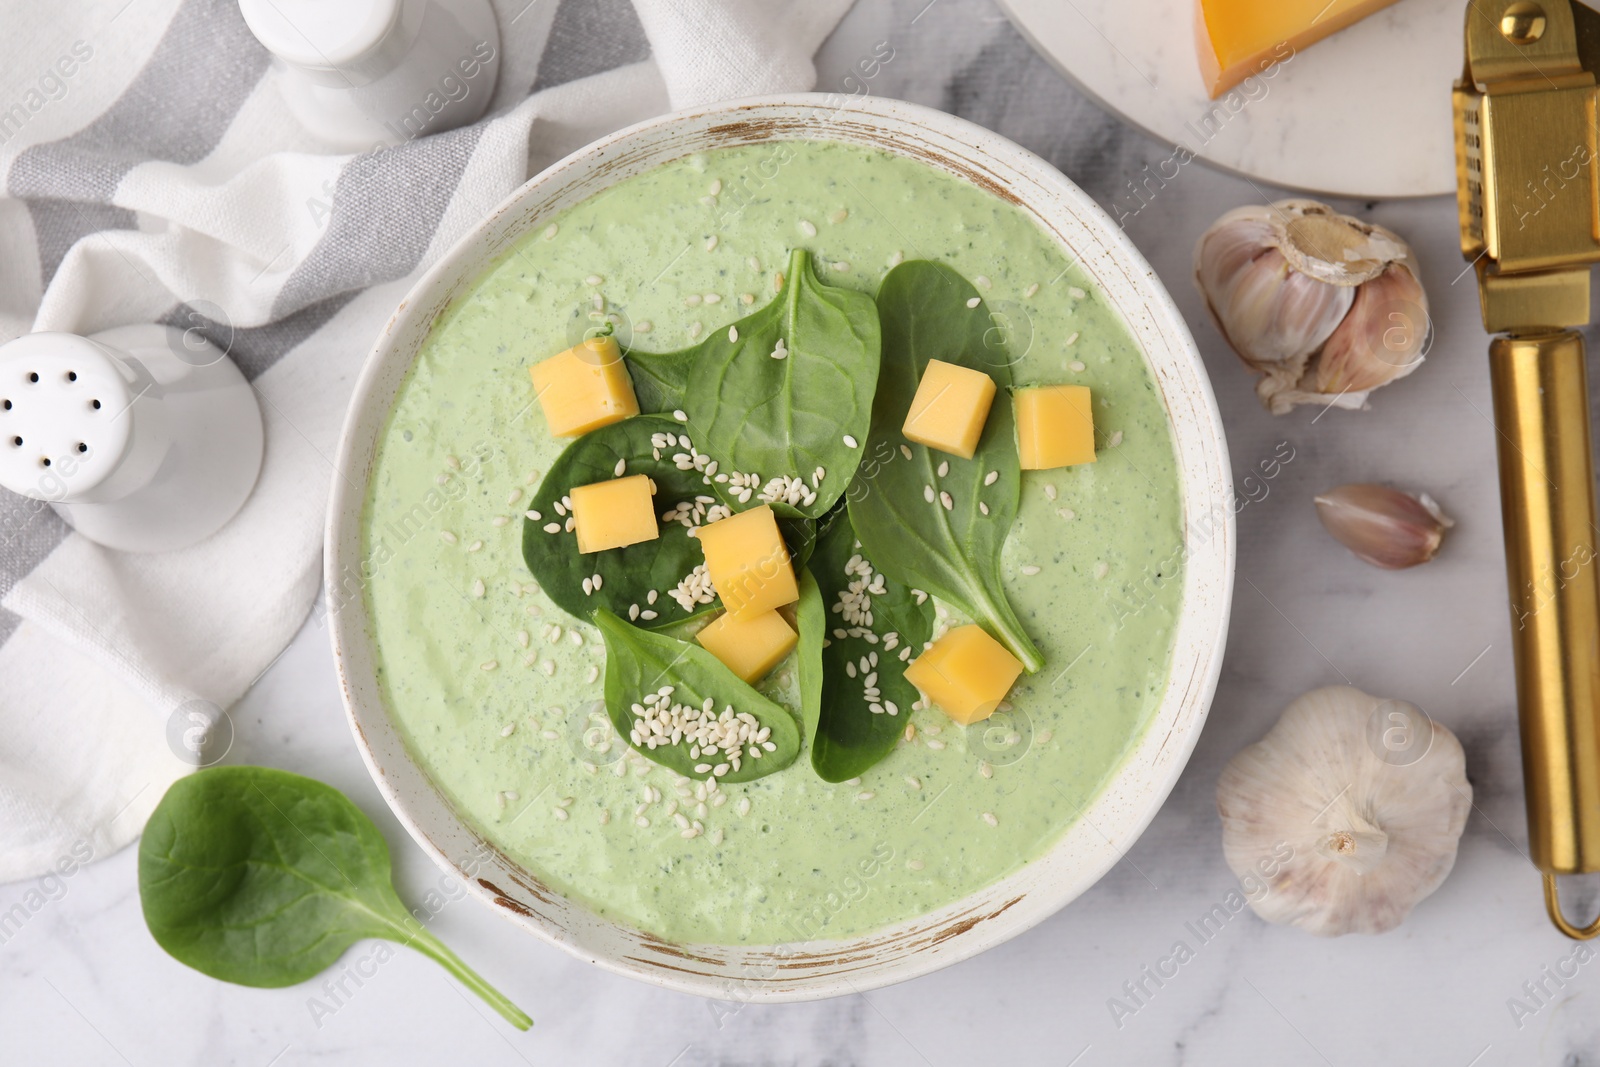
pixel 1547 496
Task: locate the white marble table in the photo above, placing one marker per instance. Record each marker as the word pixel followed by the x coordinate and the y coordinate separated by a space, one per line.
pixel 82 983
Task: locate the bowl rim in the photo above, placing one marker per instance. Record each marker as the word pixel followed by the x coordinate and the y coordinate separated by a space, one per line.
pixel 985 918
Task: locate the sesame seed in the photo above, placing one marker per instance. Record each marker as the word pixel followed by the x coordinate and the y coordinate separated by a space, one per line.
pixel 622 465
pixel 896 258
pixel 523 639
pixel 509 729
pixel 679 415
pixel 561 814
pixel 716 186
pixel 475 546
pixel 549 668
pixel 777 282
pixel 1101 569
pixel 643 326
pixel 641 822
pixel 841 266
pixel 695 328
pixel 915 865
pixel 534 515
pixel 1044 736
pixel 594 279
pixel 452 462
pixel 807 228
pixel 911 727
pixel 936 745
pixel 588 587
pixel 948 502
pixel 989 818
pixel 488 665
pixel 839 216
pixel 991 477
pixel 716 836
pixel 443 479
pixel 650 597
pixel 982 282
pixel 1076 366
pixel 1030 290
pixel 1030 570
pixel 633 612
pixel 747 299
pixel 733 333
pixel 743 807
pixel 1076 293
pixel 692 300
pixel 1116 439
pixel 849 442
pixel 974 302
pixel 983 507
pixel 500 520
pixel 605 816
pixel 713 298
pixel 865 794
pixel 1067 513
pixel 478 588
pixel 1072 339
pixel 447 537
pixel 1049 490
pixel 593 675
pixel 648 615
pixel 944 468
pixel 985 769
pixel 513 496
pixel 551 230
pixel 552 527
pixel 711 243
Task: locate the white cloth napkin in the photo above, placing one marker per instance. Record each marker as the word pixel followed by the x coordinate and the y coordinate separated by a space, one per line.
pixel 149 172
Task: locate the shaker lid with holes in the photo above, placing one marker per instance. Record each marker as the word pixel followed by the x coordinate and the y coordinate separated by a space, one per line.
pixel 64 403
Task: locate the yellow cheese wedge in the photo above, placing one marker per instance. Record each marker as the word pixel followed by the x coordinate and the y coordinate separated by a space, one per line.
pixel 614 513
pixel 1238 38
pixel 748 562
pixel 749 645
pixel 949 409
pixel 966 672
pixel 1055 426
pixel 584 388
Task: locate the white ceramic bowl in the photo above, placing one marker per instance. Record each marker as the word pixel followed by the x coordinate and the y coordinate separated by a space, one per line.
pixel 1115 818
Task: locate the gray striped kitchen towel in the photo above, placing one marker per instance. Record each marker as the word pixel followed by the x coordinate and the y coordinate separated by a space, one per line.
pixel 149 172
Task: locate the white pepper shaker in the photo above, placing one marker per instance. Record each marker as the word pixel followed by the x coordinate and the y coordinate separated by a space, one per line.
pixel 361 74
pixel 143 438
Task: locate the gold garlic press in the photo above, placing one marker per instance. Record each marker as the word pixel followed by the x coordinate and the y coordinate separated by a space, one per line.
pixel 1528 187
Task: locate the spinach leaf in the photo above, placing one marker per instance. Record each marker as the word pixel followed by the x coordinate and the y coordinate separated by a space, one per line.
pixel 628 575
pixel 756 414
pixel 640 663
pixel 851 737
pixel 263 878
pixel 953 552
pixel 810 622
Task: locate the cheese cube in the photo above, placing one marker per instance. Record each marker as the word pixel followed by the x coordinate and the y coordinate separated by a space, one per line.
pixel 584 388
pixel 749 645
pixel 614 513
pixel 1238 38
pixel 949 409
pixel 748 562
pixel 1055 426
pixel 966 672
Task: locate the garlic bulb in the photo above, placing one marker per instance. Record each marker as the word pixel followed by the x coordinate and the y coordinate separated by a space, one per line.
pixel 1346 814
pixel 1327 308
pixel 1383 526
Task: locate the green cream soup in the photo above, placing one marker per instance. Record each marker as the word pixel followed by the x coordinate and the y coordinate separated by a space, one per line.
pixel 498 692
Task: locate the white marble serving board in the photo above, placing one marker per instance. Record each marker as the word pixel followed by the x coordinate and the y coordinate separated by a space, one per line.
pixel 1364 113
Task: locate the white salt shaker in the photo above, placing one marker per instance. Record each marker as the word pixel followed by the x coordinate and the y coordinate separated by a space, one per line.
pixel 144 438
pixel 362 74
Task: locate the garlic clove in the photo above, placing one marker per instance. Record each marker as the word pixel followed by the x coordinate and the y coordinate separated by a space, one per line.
pixel 1331 828
pixel 1383 526
pixel 1381 339
pixel 1282 283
